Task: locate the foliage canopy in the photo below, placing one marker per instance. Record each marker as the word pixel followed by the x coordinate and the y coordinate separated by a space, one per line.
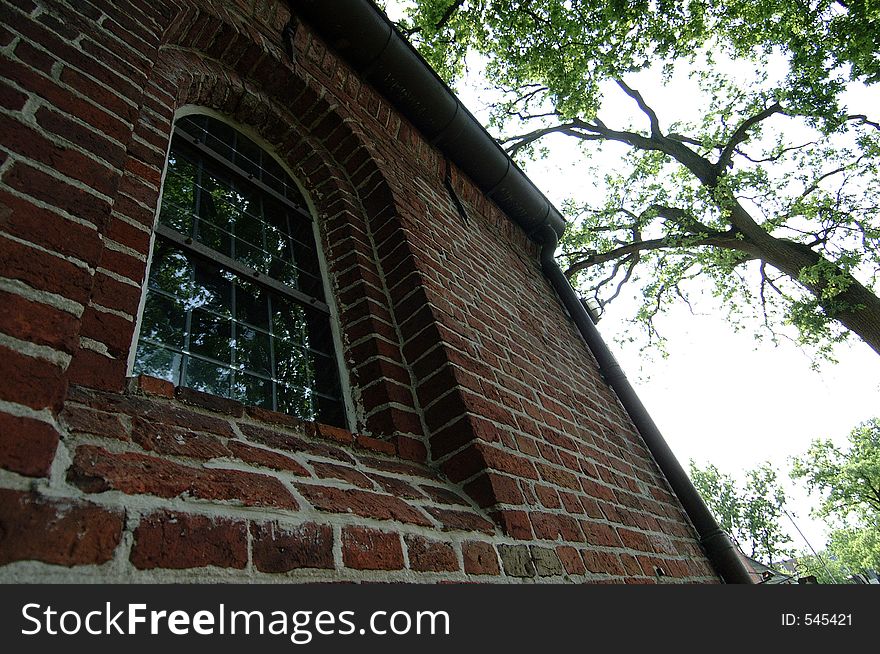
pixel 771 192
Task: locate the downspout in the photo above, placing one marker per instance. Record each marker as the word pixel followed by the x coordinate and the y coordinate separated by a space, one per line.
pixel 720 550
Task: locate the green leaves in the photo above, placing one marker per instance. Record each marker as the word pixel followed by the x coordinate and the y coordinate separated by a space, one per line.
pixel 749 512
pixel 769 183
pixel 848 482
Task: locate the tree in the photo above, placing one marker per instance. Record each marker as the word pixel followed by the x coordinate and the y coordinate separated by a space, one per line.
pixel 771 194
pixel 848 480
pixel 824 566
pixel 750 513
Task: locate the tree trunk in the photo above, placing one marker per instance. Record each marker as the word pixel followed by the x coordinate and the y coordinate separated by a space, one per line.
pixel 861 308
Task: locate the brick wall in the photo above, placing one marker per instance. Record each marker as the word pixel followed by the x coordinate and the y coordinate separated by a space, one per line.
pixel 486 444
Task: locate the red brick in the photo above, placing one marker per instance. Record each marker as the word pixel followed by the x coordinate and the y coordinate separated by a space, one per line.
pixel 461 520
pixel 27 446
pixel 334 433
pixel 178 441
pixel 282 441
pixel 480 558
pixel 427 555
pixel 180 540
pixel 490 489
pixel 155 386
pixel 370 549
pixel 208 401
pixel 597 533
pixel 602 563
pixel 514 523
pixel 97 370
pixel 89 139
pixel 397 487
pixel 38 323
pixel 376 445
pixel 411 449
pixel 60 532
pixel 549 497
pixel 267 458
pixel 57 193
pixel 392 419
pixel 635 540
pixel 114 331
pixel 113 294
pixel 571 560
pixel 281 549
pixel 58 234
pixel 83 420
pixel 362 503
pixel 284 419
pixel 443 495
pixel 96 470
pixel 26 141
pixel 333 471
pixel 32 382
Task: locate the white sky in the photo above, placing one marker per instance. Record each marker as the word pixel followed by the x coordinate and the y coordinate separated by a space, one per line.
pixel 720 396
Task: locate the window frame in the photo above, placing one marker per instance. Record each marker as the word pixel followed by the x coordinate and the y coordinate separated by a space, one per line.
pixel 187 244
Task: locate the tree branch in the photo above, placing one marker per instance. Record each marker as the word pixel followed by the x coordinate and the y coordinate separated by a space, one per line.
pixel 648 111
pixel 741 133
pixel 863 120
pixel 724 240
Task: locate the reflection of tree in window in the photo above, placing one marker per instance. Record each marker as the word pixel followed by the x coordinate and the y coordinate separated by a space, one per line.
pixel 235 300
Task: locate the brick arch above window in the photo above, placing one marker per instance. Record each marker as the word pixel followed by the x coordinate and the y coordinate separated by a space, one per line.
pixel 357 217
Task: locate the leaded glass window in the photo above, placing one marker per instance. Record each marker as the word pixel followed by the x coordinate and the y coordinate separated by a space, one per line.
pixel 235 301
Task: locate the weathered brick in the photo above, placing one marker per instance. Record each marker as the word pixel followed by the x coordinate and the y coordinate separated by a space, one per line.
pixel 179 441
pixel 397 487
pixel 547 563
pixel 35 383
pixel 516 560
pixel 480 558
pixel 452 520
pixel 427 555
pixel 83 420
pixel 96 470
pixel 266 458
pixel 155 386
pixel 369 549
pixel 210 402
pixel 333 471
pixel 180 540
pixel 281 549
pixel 571 560
pixel 27 446
pixel 362 503
pixel 282 441
pixel 61 532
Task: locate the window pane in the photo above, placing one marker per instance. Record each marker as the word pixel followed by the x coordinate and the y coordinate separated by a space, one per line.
pixel 163 321
pixel 171 270
pixel 251 304
pixel 211 336
pixel 252 390
pixel 295 401
pixel 178 194
pixel 254 351
pixel 292 365
pixel 205 325
pixel 208 377
pixel 331 412
pixel 157 361
pixel 212 289
pixel 289 321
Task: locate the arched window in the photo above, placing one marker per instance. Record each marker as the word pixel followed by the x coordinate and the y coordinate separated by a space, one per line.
pixel 235 302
